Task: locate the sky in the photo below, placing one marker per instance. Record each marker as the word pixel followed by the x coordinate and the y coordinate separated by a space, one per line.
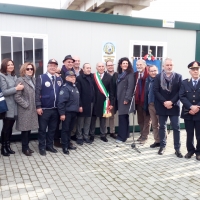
pixel 177 10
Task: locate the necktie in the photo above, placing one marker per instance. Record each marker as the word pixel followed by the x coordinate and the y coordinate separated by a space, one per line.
pixel 140 85
pixel 53 80
pixel 101 76
pixel 195 84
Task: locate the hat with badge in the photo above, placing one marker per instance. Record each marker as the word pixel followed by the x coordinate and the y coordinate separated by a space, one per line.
pixel 53 61
pixel 68 57
pixel 194 64
pixel 70 73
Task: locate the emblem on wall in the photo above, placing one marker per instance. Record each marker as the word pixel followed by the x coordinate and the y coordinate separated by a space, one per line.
pixel 109 52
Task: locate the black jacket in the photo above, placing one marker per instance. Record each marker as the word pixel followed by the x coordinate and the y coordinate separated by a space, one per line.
pixel 87 94
pixel 68 99
pixel 163 95
pixel 189 96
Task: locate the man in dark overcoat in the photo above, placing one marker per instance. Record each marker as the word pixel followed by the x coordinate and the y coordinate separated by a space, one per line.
pixel 190 97
pixel 99 102
pixel 167 104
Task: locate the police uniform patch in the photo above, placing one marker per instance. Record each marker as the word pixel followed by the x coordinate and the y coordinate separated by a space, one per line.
pixel 59 83
pixel 61 92
pixel 47 84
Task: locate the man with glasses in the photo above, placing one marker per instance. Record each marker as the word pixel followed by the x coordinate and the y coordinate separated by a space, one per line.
pixel 110 70
pixel 149 106
pixel 166 90
pixel 190 97
pixel 46 97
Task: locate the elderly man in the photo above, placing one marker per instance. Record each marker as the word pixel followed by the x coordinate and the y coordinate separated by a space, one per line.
pixel 46 97
pixel 102 88
pixel 85 85
pixel 189 96
pixel 76 67
pixel 149 105
pixel 166 89
pixel 143 118
pixel 110 70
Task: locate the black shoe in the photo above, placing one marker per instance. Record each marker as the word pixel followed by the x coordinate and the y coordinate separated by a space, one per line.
pixel 79 141
pixel 198 156
pixel 51 149
pixel 104 139
pixel 73 138
pixel 57 144
pixel 92 138
pixel 9 150
pixel 87 141
pixel 27 152
pixel 4 151
pixel 31 151
pixel 42 152
pixel 72 147
pixel 66 151
pixel 155 145
pixel 178 154
pixel 189 155
pixel 161 150
pixel 113 135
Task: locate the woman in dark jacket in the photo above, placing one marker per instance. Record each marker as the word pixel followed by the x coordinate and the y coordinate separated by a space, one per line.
pixel 9 88
pixel 27 115
pixel 125 86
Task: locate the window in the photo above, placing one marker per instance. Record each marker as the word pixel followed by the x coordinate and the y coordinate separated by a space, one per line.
pixel 23 48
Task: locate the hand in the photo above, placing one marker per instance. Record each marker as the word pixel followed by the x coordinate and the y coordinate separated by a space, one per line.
pixel 19 87
pixel 169 107
pixel 195 108
pixel 167 104
pixel 62 117
pixel 125 102
pixel 39 111
pixel 110 107
pixel 191 112
pixel 81 109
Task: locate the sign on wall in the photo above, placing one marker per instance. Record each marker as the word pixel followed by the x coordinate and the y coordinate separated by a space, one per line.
pixel 109 51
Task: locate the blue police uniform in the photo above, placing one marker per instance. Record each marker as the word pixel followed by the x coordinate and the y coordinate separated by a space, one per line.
pixel 190 95
pixel 68 105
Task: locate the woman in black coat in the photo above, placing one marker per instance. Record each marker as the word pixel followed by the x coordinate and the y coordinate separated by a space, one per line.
pixel 125 86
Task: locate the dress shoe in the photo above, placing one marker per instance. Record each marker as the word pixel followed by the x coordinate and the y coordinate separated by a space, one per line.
pixel 139 138
pixel 66 151
pixel 27 152
pixel 73 137
pixel 87 141
pixel 92 138
pixel 178 154
pixel 161 150
pixel 72 147
pixel 198 156
pixel 31 151
pixel 155 145
pixel 57 144
pixel 189 155
pixel 42 152
pixel 79 141
pixel 51 149
pixel 104 139
pixel 113 135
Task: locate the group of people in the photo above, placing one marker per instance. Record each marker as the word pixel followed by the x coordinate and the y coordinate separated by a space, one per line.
pixel 75 97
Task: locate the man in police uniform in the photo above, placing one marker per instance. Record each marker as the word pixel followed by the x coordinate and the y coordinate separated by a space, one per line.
pixel 190 97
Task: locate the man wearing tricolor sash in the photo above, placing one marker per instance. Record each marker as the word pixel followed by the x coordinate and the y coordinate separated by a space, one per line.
pixel 102 107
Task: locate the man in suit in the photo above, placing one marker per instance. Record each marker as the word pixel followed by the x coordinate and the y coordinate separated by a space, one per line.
pixel 101 78
pixel 167 104
pixel 190 97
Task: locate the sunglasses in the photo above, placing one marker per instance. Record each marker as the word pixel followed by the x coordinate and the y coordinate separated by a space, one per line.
pixel 29 69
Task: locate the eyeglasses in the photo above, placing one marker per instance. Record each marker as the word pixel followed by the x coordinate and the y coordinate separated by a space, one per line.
pixel 70 62
pixel 110 65
pixel 29 69
pixel 153 71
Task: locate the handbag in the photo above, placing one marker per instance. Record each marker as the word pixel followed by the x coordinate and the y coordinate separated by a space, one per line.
pixel 3 105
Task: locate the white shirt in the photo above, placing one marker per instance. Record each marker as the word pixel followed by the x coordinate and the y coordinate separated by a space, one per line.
pixel 101 75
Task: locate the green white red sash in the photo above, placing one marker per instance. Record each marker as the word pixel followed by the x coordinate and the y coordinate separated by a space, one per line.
pixel 100 85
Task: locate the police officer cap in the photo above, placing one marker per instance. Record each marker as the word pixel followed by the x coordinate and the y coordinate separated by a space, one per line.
pixel 53 61
pixel 194 64
pixel 68 57
pixel 70 73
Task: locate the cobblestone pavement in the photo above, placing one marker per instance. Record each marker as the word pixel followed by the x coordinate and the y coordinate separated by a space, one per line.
pixel 100 171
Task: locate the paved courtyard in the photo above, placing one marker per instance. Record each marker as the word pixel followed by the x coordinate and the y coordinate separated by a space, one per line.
pixel 100 171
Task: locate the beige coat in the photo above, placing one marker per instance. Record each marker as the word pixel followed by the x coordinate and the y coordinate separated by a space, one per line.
pixel 25 99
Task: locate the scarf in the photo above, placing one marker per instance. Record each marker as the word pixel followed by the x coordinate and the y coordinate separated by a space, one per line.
pixel 166 82
pixel 139 97
pixel 64 69
pixel 121 76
